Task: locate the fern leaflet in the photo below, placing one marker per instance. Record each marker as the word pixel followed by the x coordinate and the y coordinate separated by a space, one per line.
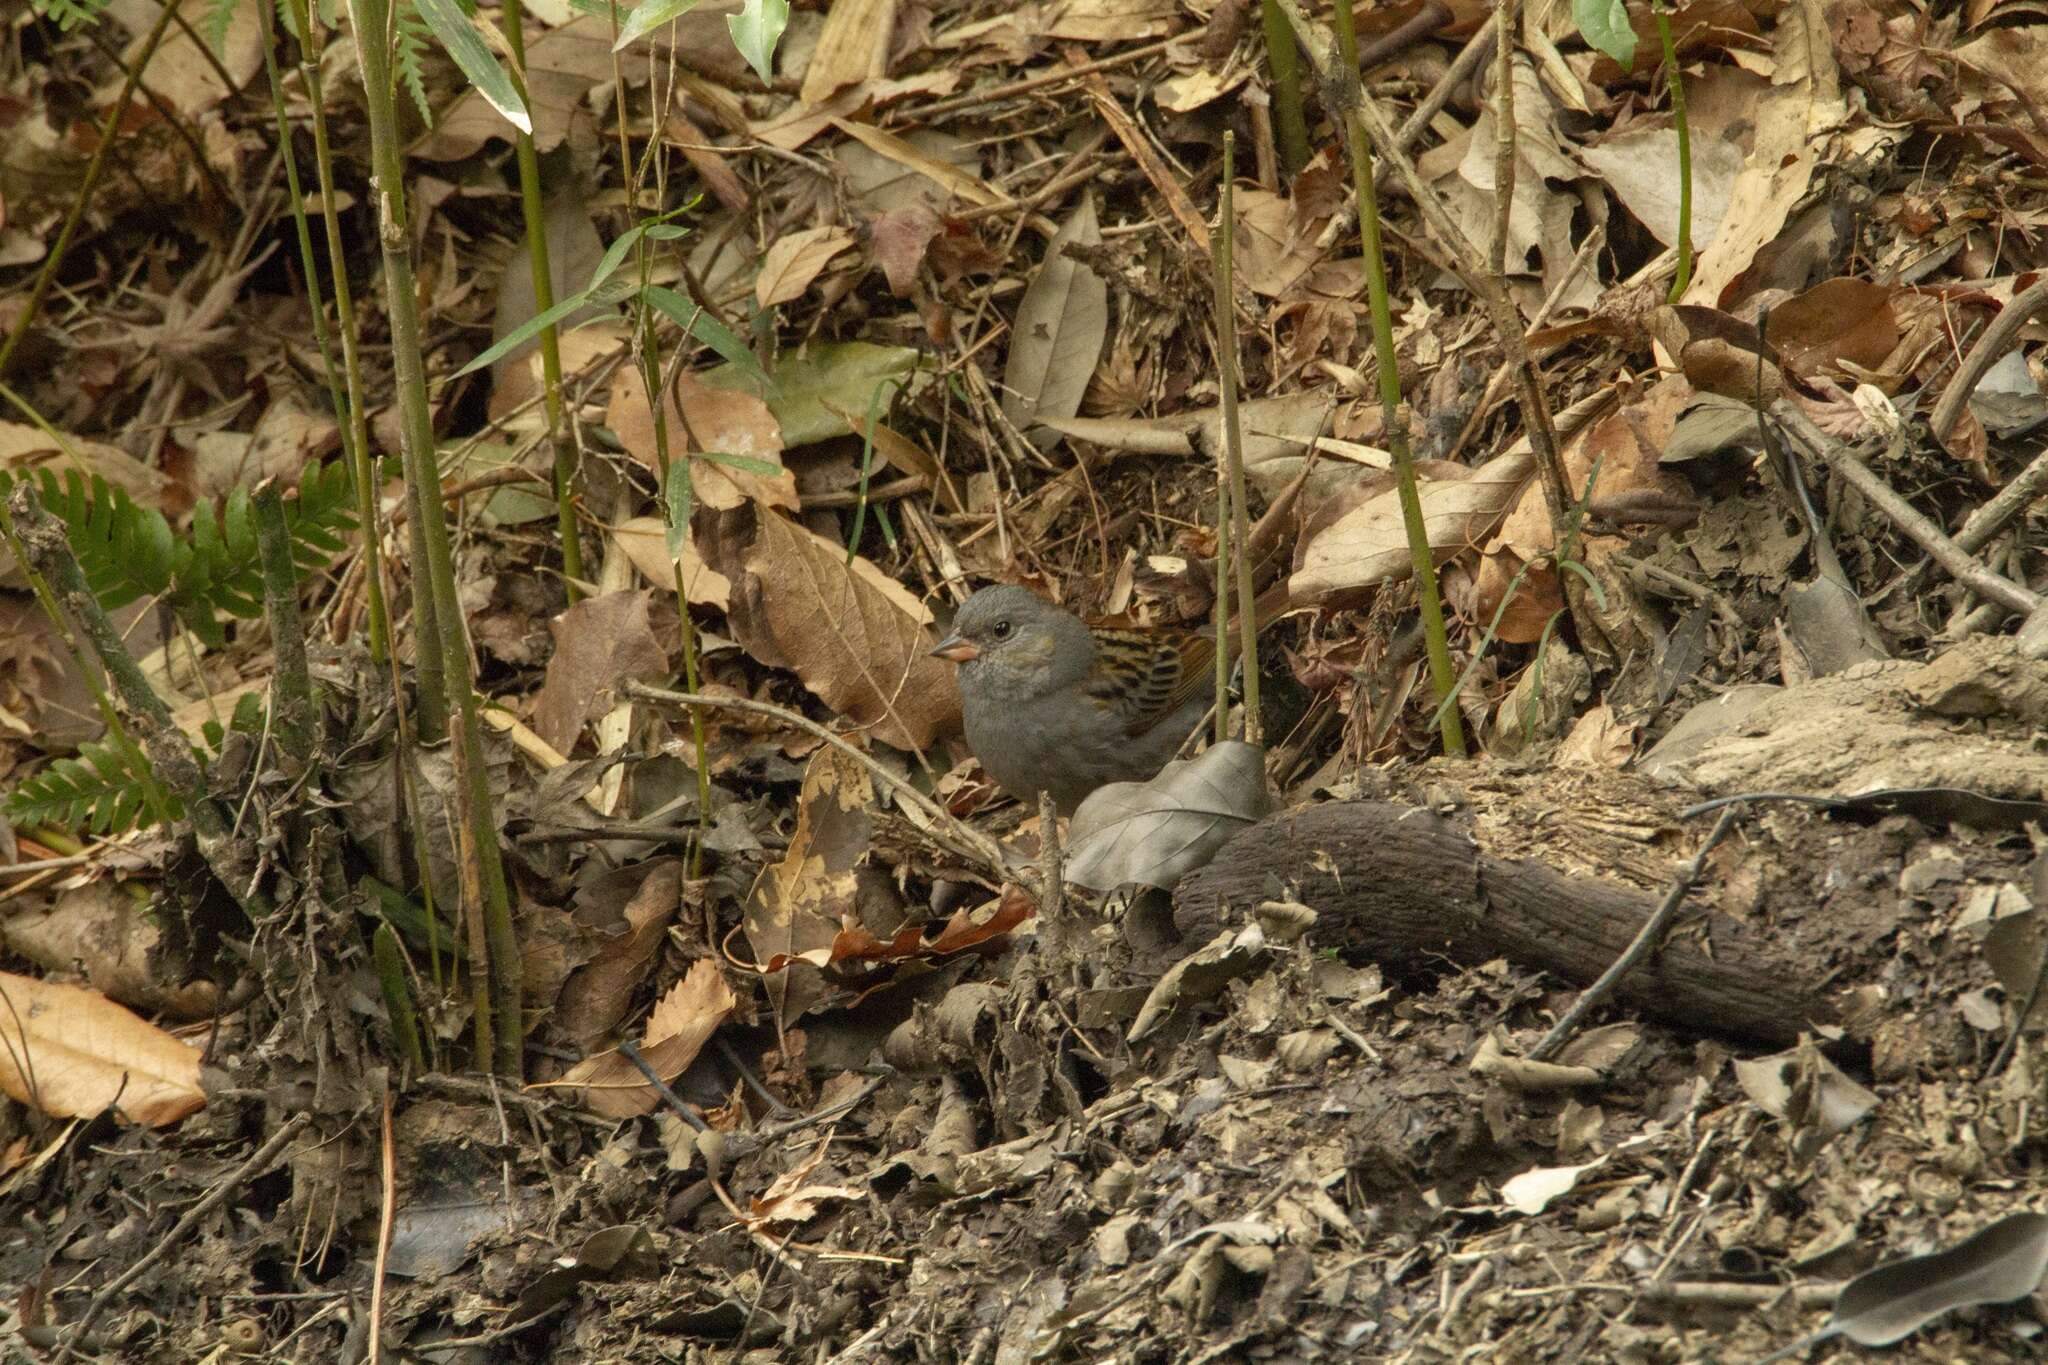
pixel 101 790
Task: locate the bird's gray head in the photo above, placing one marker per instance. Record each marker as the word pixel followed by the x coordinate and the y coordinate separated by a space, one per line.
pixel 1010 642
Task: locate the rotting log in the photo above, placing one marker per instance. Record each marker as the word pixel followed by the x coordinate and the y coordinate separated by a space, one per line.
pixel 1410 890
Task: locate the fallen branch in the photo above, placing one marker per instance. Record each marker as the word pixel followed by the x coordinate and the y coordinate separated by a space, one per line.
pixel 1952 557
pixel 1409 889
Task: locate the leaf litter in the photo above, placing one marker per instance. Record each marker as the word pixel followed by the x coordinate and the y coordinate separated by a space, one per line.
pixel 953 260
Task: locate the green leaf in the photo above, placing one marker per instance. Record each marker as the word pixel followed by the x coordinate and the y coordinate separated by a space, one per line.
pixel 1604 24
pixel 767 469
pixel 411 51
pixel 460 39
pixel 219 16
pixel 708 330
pixel 615 255
pixel 809 384
pixel 756 29
pixel 104 789
pixel 526 331
pixel 680 499
pixel 649 16
pixel 69 14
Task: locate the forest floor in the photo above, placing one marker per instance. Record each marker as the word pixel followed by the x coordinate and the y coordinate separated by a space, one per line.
pixel 930 308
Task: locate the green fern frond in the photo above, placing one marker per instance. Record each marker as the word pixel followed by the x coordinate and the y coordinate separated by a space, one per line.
pixel 412 55
pixel 220 13
pixel 102 790
pixel 70 14
pixel 128 551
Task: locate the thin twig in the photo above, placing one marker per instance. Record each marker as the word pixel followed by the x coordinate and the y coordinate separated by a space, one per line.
pixel 1647 938
pixel 925 113
pixel 1993 344
pixel 966 841
pixel 387 1169
pixel 1051 870
pixel 1958 562
pixel 215 1197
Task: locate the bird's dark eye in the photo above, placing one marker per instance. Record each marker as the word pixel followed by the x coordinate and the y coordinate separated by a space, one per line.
pixel 1001 630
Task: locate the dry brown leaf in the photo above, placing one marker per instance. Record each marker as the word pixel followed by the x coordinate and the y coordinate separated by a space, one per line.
pixel 676 1032
pixel 1838 320
pixel 644 541
pixel 900 239
pixel 1537 597
pixel 961 183
pixel 1275 251
pixel 597 994
pixel 1369 544
pixel 795 260
pixel 791 1199
pixel 1111 21
pixel 70 1052
pixel 1793 113
pixel 718 420
pixel 96 931
pixel 794 910
pixel 600 644
pixel 182 73
pixel 853 47
pixel 851 634
pixel 1061 323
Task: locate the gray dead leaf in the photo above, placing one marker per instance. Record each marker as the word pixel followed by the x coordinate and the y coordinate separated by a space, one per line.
pixel 2014 946
pixel 1997 1264
pixel 1201 975
pixel 1154 833
pixel 1806 1091
pixel 1708 425
pixel 1061 323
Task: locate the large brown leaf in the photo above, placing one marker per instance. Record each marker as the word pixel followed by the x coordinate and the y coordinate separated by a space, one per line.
pixel 71 1052
pixel 852 634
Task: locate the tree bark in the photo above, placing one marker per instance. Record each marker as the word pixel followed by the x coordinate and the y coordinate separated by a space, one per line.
pixel 1410 890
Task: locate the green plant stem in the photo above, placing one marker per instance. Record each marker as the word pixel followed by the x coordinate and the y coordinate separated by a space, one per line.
pixel 397 990
pixel 867 468
pixel 1230 478
pixel 94 169
pixel 542 269
pixel 365 466
pixel 152 791
pixel 1676 80
pixel 56 840
pixel 1468 263
pixel 1222 604
pixel 499 1024
pixel 345 390
pixel 1283 62
pixel 1443 677
pixel 291 687
pixel 44 548
pixel 650 370
pixel 650 378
